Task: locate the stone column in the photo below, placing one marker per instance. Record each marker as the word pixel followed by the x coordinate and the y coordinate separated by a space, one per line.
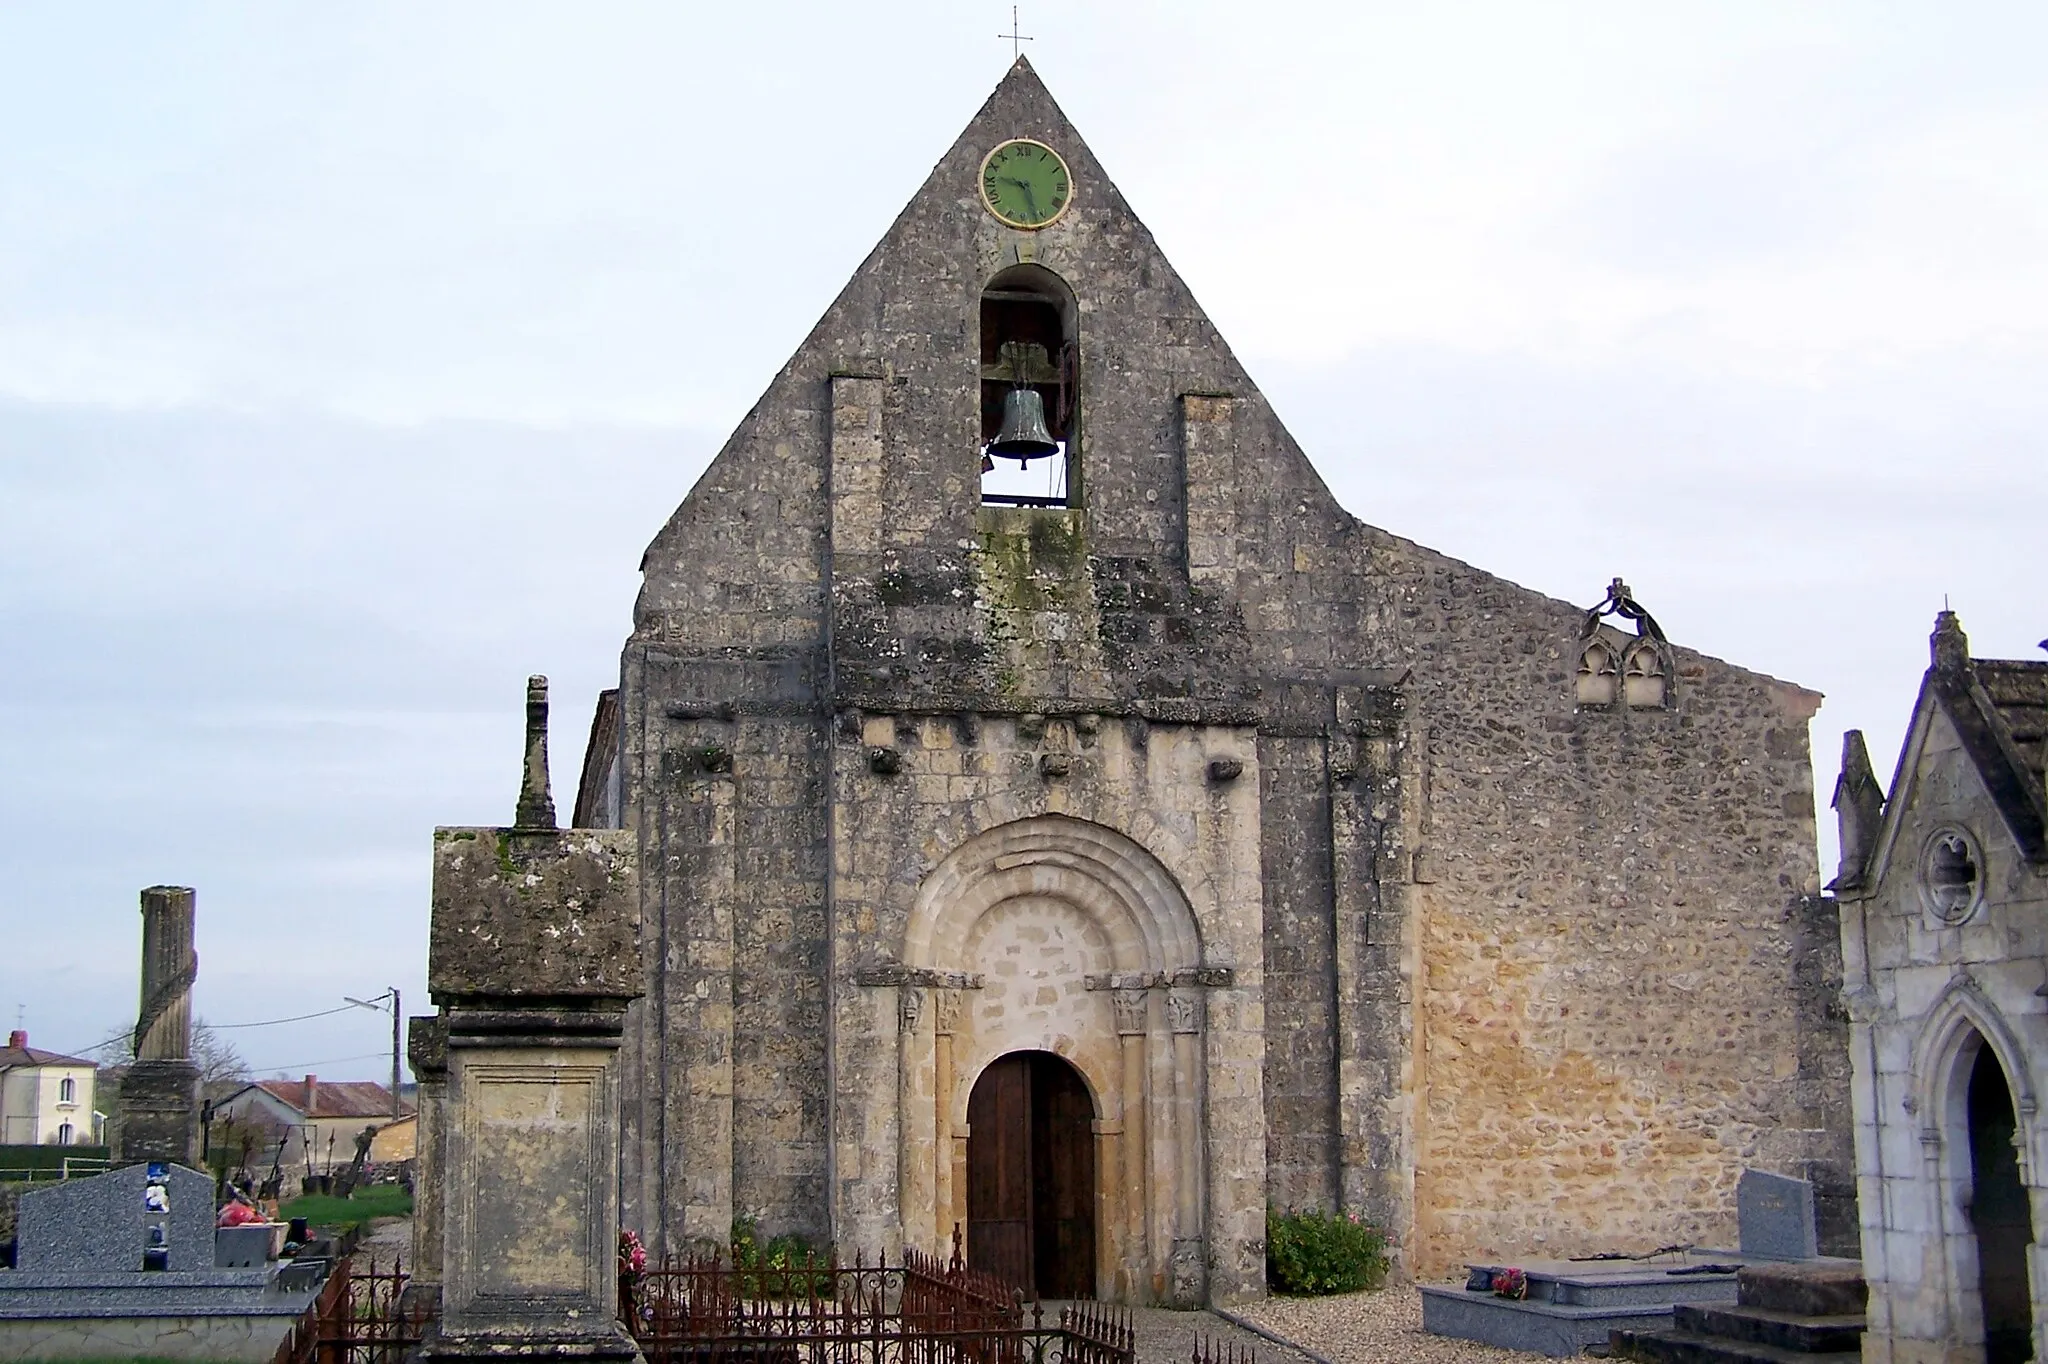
pixel 159 1100
pixel 917 1144
pixel 1133 1015
pixel 426 1049
pixel 533 955
pixel 950 1151
pixel 1189 1284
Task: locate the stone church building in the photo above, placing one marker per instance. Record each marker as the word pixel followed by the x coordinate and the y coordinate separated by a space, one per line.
pixel 1944 907
pixel 1093 859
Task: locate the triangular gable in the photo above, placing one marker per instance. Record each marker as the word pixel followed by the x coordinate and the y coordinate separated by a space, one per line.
pixel 921 255
pixel 1994 752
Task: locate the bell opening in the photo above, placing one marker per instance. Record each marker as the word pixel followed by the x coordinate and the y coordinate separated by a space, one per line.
pixel 1028 369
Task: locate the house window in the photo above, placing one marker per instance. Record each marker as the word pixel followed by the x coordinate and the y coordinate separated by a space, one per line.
pixel 64 1131
pixel 67 1090
pixel 1030 419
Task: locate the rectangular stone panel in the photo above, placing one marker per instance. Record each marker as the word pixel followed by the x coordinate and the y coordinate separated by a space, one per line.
pixel 532 1158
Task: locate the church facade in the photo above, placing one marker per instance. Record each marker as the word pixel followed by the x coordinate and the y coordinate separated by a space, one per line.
pixel 1093 866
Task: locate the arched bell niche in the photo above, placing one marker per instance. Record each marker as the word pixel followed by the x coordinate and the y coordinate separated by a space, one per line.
pixel 1029 332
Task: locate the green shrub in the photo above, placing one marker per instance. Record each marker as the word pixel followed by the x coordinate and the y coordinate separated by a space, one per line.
pixel 785 1266
pixel 1312 1253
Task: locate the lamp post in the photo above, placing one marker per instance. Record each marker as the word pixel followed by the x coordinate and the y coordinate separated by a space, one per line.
pixel 397 1015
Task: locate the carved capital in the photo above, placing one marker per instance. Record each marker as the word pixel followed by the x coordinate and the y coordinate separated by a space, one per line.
pixel 1184 1010
pixel 1130 1011
pixel 946 1016
pixel 909 1007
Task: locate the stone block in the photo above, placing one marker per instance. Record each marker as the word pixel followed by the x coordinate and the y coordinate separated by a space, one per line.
pixel 518 914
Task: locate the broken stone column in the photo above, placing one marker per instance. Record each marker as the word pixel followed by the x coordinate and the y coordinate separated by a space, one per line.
pixel 159 1096
pixel 533 955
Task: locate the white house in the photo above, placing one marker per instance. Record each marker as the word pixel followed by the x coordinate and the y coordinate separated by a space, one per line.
pixel 45 1099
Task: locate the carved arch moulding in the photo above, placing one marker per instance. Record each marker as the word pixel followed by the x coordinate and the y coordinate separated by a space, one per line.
pixel 1126 891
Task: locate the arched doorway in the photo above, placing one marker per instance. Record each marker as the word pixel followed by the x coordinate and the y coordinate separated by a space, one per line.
pixel 1031 1175
pixel 1999 1215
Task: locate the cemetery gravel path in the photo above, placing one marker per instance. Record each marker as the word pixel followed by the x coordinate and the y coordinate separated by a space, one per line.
pixel 1380 1327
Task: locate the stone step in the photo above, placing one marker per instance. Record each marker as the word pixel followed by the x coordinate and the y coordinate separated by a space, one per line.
pixel 1763 1326
pixel 1806 1288
pixel 1686 1347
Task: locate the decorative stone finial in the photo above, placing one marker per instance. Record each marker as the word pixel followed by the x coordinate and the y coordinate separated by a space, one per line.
pixel 536 804
pixel 1948 645
pixel 1859 807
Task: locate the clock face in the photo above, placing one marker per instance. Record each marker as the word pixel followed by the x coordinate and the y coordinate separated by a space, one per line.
pixel 1025 184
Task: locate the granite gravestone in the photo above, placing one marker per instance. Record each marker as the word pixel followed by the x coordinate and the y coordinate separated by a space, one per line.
pixel 1775 1217
pixel 154 1216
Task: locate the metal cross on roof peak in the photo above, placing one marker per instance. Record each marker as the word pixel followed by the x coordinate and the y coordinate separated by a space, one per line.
pixel 1017 39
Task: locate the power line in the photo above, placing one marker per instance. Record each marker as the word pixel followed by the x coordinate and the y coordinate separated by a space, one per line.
pixel 222 1027
pixel 273 1022
pixel 327 1061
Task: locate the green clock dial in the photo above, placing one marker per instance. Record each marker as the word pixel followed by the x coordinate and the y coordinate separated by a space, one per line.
pixel 1025 184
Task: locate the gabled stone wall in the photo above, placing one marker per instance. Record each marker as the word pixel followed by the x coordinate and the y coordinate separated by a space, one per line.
pixel 1533 977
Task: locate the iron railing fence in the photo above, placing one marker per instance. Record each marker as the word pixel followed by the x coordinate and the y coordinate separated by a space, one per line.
pixel 702 1310
pixel 357 1319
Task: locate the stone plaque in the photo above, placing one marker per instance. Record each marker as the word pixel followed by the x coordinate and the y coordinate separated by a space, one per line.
pixel 112 1221
pixel 1775 1217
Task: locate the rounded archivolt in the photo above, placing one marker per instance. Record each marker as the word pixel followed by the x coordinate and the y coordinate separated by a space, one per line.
pixel 1120 886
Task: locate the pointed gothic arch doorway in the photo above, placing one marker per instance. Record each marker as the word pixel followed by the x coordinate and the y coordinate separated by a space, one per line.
pixel 1031 1175
pixel 1999 1214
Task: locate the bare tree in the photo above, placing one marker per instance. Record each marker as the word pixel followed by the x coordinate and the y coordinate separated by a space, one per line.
pixel 222 1070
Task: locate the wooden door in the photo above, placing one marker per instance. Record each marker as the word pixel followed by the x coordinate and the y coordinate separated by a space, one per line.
pixel 999 1171
pixel 1031 1176
pixel 1063 1179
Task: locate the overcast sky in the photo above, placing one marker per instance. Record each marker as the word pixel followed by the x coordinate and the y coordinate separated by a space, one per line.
pixel 350 355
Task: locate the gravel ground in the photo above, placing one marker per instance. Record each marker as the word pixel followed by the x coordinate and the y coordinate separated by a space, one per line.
pixel 1382 1327
pixel 386 1237
pixel 1165 1337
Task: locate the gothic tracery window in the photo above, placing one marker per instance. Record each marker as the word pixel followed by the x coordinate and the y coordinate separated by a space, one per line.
pixel 1643 676
pixel 1596 675
pixel 1951 878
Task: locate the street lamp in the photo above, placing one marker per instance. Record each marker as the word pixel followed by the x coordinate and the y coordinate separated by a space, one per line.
pixel 379 1004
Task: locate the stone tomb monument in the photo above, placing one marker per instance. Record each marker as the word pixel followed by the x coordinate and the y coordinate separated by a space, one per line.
pixel 144 1217
pixel 533 956
pixel 122 1264
pixel 1775 1217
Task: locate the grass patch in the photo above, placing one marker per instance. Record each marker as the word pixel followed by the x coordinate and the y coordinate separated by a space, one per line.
pixel 324 1210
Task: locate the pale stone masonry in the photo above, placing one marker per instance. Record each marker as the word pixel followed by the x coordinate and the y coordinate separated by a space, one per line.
pixel 1944 894
pixel 1311 851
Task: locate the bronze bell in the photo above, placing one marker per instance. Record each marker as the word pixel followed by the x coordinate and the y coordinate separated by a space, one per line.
pixel 1023 436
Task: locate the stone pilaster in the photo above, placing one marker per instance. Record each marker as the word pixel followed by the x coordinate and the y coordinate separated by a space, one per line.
pixel 426 1050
